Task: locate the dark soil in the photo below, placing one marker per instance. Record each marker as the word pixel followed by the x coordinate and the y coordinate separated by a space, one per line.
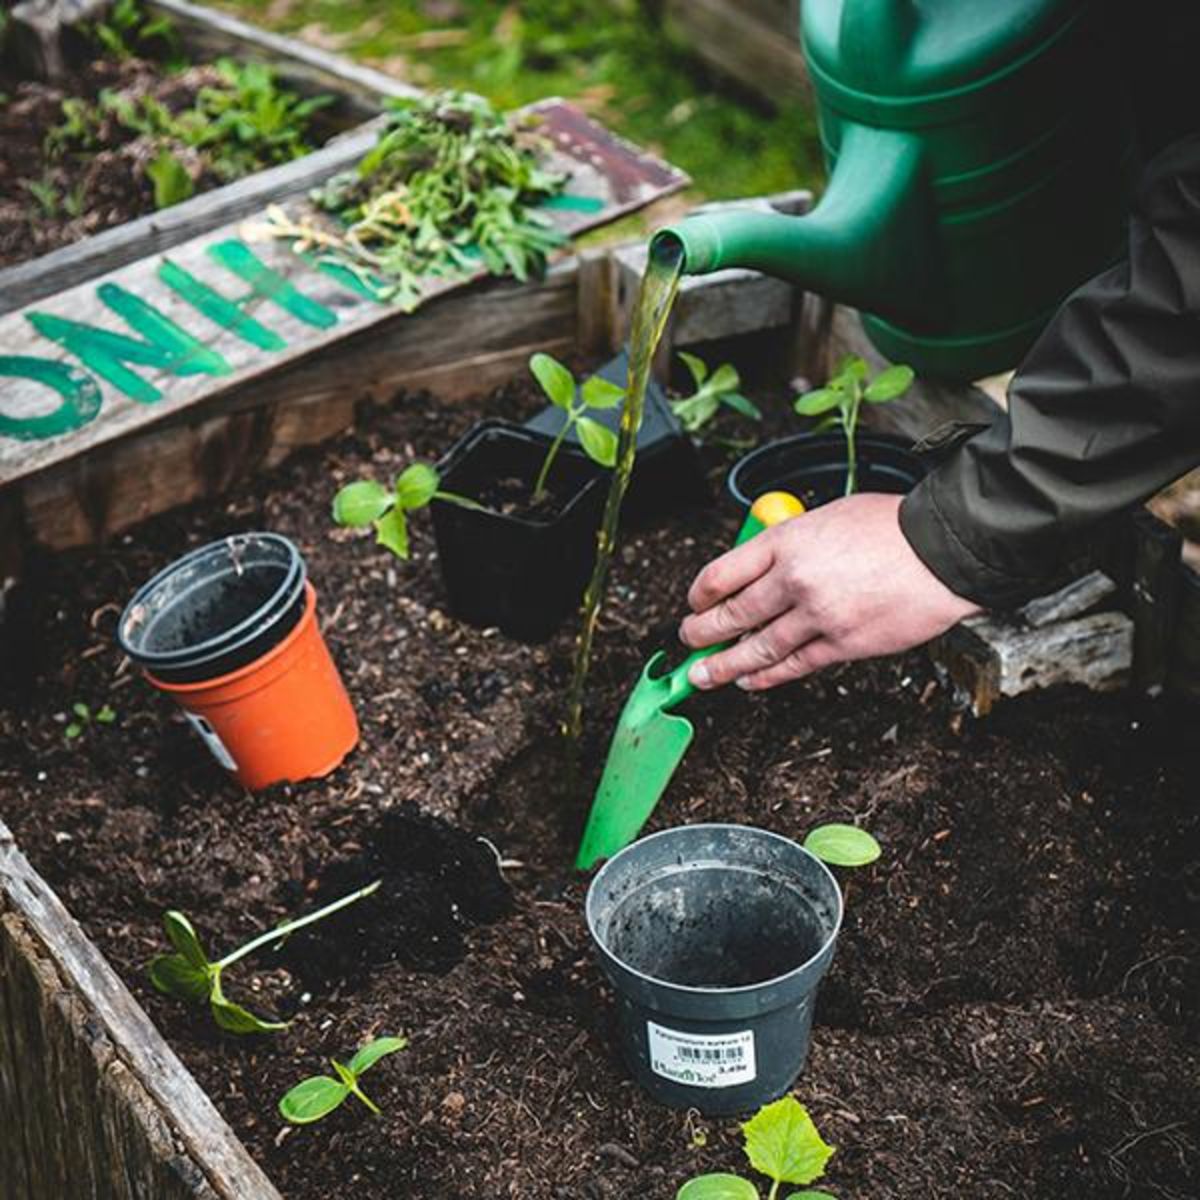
pixel 512 497
pixel 1015 1005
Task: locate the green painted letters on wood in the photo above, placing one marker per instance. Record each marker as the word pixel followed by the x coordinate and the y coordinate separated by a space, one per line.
pixel 229 314
pixel 237 257
pixel 79 392
pixel 166 346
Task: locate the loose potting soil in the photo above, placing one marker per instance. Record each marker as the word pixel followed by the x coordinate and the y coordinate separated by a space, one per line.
pixel 1014 1008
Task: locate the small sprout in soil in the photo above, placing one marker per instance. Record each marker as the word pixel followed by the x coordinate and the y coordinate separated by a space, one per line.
pixel 713 390
pixel 85 718
pixel 366 502
pixel 598 441
pixel 316 1097
pixel 172 184
pixel 842 845
pixel 188 974
pixel 128 31
pixel 838 403
pixel 782 1143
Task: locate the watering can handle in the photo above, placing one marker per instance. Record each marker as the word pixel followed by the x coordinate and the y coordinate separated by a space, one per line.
pixel 771 508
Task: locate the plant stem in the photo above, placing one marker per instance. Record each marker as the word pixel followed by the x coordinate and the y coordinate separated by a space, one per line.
pixel 659 286
pixel 365 1098
pixel 291 926
pixel 774 1190
pixel 540 486
pixel 850 425
pixel 461 501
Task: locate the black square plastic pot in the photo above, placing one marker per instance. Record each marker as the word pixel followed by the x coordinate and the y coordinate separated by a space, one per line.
pixel 667 475
pixel 521 575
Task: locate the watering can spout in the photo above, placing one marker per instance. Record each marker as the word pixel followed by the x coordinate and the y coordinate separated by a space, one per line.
pixel 870 242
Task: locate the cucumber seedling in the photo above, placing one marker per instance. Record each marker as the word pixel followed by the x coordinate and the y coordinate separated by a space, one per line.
pixel 783 1144
pixel 85 718
pixel 366 502
pixel 189 974
pixel 316 1097
pixel 714 390
pixel 840 401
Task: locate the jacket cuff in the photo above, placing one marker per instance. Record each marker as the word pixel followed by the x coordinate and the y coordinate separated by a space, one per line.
pixel 927 524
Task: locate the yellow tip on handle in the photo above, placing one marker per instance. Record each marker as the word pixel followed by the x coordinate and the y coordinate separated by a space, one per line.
pixel 773 508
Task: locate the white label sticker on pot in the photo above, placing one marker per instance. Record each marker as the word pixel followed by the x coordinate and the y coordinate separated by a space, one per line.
pixel 212 741
pixel 702 1060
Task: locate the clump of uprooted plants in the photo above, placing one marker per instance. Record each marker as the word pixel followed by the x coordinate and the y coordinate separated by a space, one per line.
pixel 450 186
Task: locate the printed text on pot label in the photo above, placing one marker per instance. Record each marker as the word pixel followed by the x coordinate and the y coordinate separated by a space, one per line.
pixel 702 1060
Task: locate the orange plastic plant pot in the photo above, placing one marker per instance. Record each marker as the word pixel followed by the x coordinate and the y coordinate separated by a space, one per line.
pixel 282 718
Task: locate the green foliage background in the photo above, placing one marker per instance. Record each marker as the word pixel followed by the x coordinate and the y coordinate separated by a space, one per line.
pixel 610 55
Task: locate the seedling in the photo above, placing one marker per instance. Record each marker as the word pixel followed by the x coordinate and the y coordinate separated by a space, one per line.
pixel 189 975
pixel 782 1143
pixel 839 402
pixel 316 1097
pixel 598 441
pixel 366 502
pixel 842 845
pixel 713 390
pixel 85 718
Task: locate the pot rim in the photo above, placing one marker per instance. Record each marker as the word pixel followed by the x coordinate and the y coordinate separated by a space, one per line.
pixel 492 425
pixel 271 610
pixel 746 989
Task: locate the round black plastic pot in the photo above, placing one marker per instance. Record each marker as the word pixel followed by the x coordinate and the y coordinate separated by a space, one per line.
pixel 715 938
pixel 519 574
pixel 215 609
pixel 813 467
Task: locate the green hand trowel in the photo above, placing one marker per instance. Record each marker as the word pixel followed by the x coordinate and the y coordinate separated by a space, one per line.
pixel 650 741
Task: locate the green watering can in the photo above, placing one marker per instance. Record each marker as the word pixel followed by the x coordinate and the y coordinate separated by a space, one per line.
pixel 980 159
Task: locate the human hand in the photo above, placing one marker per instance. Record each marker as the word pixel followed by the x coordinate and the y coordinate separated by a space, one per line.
pixel 837 584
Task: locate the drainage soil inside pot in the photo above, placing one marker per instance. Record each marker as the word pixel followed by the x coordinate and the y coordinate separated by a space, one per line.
pixel 716 927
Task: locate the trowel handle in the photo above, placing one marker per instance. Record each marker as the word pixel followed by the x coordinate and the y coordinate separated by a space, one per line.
pixel 771 508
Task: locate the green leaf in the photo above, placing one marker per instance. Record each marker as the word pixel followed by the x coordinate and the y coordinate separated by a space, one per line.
pixel 235 1019
pixel 810 1195
pixel 717 1187
pixel 889 384
pixel 173 975
pixel 107 714
pixel 361 502
pixel 372 1052
pixel 696 411
pixel 697 366
pixel 852 367
pixel 557 382
pixel 392 531
pixel 416 485
pixel 182 935
pixel 823 400
pixel 783 1143
pixel 725 379
pixel 598 440
pixel 828 422
pixel 312 1099
pixel 73 730
pixel 601 393
pixel 81 710
pixel 842 845
pixel 742 404
pixel 171 181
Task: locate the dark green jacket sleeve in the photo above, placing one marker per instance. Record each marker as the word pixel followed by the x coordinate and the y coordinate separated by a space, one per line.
pixel 1103 413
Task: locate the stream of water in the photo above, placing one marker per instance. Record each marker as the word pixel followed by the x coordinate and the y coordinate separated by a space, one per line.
pixel 660 284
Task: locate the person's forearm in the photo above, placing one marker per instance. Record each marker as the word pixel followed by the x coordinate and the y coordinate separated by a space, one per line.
pixel 1104 412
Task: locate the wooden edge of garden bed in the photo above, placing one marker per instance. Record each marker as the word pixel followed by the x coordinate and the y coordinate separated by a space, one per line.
pixel 209 34
pixel 92 1099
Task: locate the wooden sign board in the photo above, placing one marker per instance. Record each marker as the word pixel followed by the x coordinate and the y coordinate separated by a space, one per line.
pixel 178 330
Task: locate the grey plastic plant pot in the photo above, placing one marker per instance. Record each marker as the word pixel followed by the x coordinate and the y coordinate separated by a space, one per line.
pixel 715 939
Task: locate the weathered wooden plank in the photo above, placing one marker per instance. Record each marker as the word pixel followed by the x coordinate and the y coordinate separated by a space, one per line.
pixel 26 282
pixel 990 657
pixel 101 1108
pixel 207 33
pixel 1074 600
pixel 761 55
pixel 1156 584
pixel 304 309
